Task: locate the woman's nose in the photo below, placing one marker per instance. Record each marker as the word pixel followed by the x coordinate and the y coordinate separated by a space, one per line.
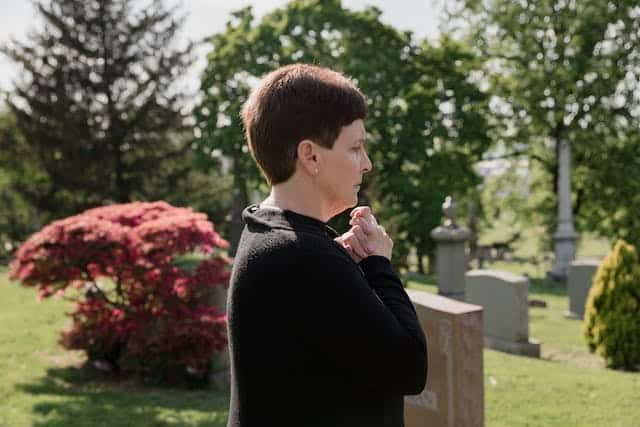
pixel 367 163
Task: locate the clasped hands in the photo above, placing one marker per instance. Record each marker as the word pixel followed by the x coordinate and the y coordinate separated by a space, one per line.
pixel 365 237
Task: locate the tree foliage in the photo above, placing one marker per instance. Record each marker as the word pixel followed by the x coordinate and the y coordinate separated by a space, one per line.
pixel 424 125
pixel 17 217
pixel 142 276
pixel 567 70
pixel 97 106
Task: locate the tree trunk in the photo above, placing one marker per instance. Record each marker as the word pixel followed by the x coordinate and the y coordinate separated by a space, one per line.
pixel 473 240
pixel 240 201
pixel 420 256
pixel 431 257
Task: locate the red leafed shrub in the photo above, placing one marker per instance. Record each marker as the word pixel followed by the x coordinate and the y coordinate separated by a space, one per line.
pixel 143 276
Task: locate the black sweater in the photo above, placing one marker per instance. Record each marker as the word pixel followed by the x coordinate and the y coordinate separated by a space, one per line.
pixel 316 339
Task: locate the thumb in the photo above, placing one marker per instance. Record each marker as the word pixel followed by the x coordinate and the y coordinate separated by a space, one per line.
pixel 360 211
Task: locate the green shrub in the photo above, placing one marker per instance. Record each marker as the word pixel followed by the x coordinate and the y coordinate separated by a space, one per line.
pixel 612 312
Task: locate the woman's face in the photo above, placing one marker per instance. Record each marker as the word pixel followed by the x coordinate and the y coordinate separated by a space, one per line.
pixel 340 172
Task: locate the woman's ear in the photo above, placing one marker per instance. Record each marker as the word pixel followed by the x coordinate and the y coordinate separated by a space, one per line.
pixel 308 156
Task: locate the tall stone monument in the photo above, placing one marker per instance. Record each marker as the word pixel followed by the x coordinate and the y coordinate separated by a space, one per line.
pixel 451 256
pixel 564 239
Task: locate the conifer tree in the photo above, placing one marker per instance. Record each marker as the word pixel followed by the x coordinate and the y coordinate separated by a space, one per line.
pixel 97 104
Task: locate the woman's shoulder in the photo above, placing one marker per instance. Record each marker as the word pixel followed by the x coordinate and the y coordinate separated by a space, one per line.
pixel 289 246
pixel 321 247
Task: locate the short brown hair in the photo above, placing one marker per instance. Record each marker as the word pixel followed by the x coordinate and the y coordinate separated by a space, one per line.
pixel 294 103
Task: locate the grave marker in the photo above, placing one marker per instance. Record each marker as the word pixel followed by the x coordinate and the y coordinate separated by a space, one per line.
pixel 504 297
pixel 454 394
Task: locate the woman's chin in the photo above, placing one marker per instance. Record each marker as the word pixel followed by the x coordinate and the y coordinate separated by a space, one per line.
pixel 345 204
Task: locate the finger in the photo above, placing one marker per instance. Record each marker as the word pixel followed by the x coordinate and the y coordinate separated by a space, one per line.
pixel 349 249
pixel 369 218
pixel 360 211
pixel 363 239
pixel 354 256
pixel 343 241
pixel 354 242
pixel 368 222
pixel 366 225
pixel 356 221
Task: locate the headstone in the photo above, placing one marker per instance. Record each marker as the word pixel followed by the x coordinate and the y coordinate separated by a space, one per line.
pixel 451 256
pixel 454 394
pixel 504 297
pixel 581 274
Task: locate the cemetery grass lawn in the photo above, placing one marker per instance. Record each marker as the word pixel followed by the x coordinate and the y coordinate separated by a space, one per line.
pixel 41 384
pixel 568 386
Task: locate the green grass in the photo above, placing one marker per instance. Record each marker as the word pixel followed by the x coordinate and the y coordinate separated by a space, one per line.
pixel 42 384
pixel 567 386
pixel 520 391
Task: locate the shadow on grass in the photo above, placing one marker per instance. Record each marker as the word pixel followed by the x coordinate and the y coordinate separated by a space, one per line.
pixel 537 285
pixel 543 286
pixel 72 396
pixel 420 279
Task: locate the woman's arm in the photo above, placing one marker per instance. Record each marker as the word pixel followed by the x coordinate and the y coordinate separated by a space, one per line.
pixel 365 324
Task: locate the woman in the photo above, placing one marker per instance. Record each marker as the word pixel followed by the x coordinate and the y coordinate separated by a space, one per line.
pixel 321 331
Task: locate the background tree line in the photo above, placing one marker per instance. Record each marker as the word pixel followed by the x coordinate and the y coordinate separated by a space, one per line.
pixel 98 116
pixel 565 70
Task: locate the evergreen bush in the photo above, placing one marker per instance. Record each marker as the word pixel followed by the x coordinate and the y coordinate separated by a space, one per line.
pixel 612 312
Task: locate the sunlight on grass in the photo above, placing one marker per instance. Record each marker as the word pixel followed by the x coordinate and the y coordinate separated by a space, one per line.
pixel 567 386
pixel 42 384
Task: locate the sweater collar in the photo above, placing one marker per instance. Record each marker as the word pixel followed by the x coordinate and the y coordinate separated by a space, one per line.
pixel 274 217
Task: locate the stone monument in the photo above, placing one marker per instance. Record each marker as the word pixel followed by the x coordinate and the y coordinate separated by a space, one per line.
pixel 564 239
pixel 451 256
pixel 581 274
pixel 504 297
pixel 454 394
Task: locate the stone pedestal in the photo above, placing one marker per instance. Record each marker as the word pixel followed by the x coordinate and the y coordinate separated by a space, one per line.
pixel 504 297
pixel 564 248
pixel 454 394
pixel 581 274
pixel 451 256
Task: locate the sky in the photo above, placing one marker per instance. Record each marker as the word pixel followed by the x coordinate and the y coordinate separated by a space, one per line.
pixel 205 17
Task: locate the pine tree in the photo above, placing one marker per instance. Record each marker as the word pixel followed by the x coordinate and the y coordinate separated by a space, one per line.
pixel 97 104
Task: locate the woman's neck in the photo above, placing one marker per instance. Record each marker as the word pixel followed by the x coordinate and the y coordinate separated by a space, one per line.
pixel 299 197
